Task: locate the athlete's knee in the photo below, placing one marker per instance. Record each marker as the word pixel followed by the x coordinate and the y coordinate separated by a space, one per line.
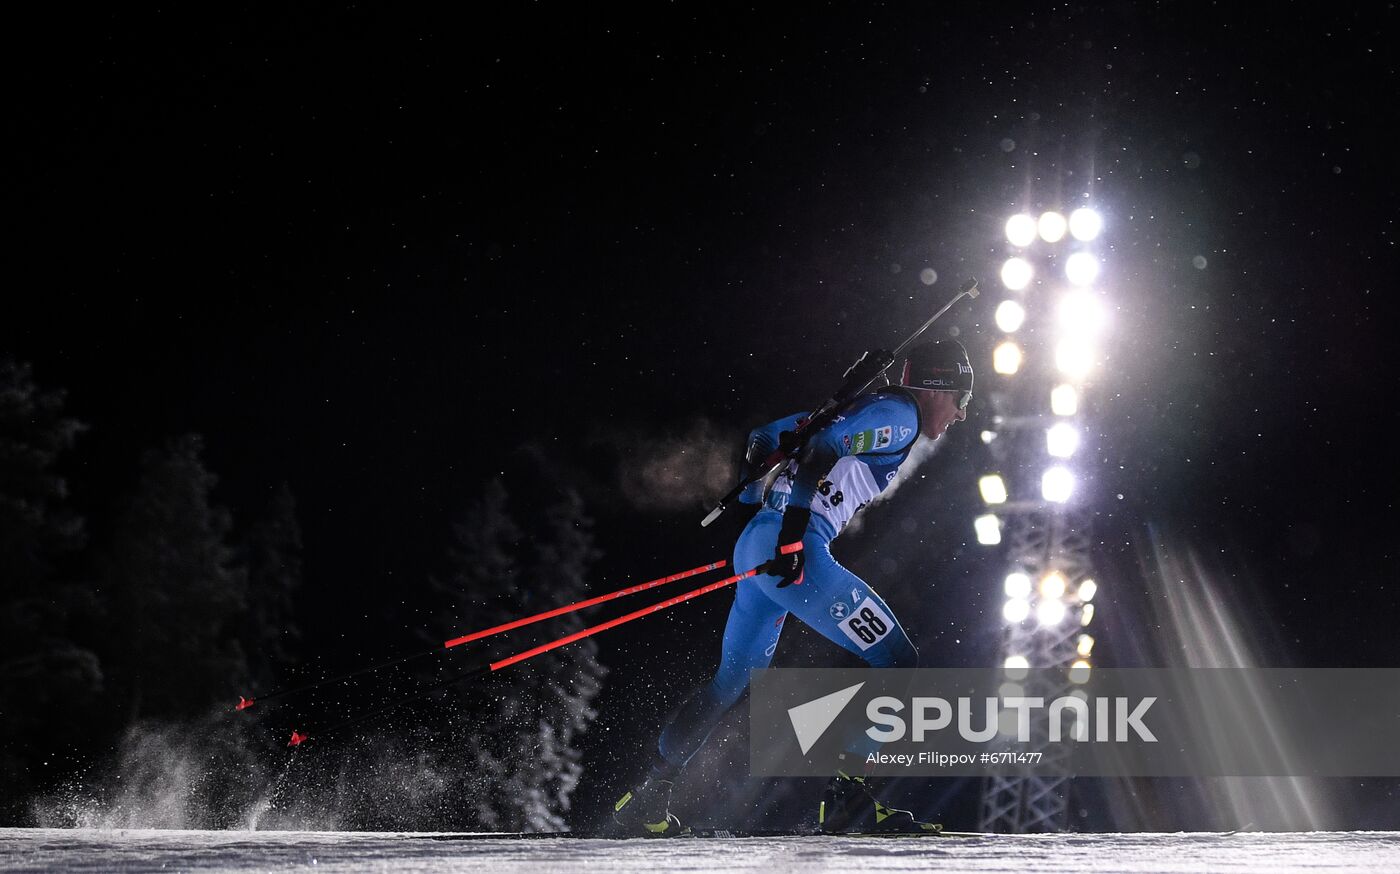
pixel 906 655
pixel 897 652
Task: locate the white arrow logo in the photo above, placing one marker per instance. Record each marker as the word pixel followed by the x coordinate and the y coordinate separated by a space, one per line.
pixel 812 719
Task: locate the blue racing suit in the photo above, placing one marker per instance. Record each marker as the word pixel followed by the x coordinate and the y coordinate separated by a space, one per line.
pixel 842 467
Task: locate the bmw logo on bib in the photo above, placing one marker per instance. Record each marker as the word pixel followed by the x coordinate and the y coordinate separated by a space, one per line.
pixel 839 610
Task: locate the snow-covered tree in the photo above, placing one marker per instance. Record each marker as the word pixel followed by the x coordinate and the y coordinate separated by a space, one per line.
pixel 567 679
pixel 519 730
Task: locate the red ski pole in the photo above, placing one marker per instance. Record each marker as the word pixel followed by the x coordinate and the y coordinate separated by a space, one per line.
pixel 247 701
pixel 579 605
pixel 613 623
pixel 298 738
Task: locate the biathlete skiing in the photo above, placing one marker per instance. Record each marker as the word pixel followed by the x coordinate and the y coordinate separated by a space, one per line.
pixel 846 461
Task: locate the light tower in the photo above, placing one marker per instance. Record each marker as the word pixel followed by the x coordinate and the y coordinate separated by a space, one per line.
pixel 1050 319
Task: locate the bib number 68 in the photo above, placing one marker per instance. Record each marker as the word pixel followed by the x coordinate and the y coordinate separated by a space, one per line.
pixel 867 624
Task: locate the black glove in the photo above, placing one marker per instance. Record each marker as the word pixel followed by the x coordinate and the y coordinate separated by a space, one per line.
pixel 788 440
pixel 756 459
pixel 788 564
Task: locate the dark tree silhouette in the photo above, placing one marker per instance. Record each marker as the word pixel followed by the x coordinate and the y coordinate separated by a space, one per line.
pixel 272 555
pixel 48 682
pixel 177 596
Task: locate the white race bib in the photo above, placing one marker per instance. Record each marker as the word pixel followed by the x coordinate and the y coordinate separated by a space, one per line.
pixel 848 487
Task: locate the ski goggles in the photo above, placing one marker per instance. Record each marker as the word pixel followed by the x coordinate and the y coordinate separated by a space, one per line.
pixel 964 397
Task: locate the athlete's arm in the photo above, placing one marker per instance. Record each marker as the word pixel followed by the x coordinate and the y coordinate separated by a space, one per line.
pixel 762 441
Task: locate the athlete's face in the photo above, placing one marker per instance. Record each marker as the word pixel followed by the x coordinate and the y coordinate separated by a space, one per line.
pixel 939 410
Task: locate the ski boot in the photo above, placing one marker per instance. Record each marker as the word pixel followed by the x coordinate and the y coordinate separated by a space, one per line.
pixel 848 806
pixel 646 809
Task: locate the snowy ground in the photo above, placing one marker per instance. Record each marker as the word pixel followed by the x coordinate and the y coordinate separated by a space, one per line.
pixel 97 850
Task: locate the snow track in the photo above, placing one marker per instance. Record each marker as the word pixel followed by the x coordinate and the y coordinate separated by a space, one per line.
pixel 209 851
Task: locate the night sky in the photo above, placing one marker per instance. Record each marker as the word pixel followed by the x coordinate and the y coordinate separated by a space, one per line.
pixel 385 257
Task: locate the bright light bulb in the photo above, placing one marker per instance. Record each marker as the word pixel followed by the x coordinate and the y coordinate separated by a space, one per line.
pixel 1016 273
pixel 1085 645
pixel 1057 484
pixel 988 436
pixel 1064 400
pixel 993 488
pixel 1052 585
pixel 1085 224
pixel 1018 585
pixel 1010 315
pixel 1079 671
pixel 1073 358
pixel 1087 590
pixel 1050 613
pixel 1081 268
pixel 1086 615
pixel 1016 610
pixel 988 529
pixel 1061 440
pixel 1006 358
pixel 1020 230
pixel 1052 227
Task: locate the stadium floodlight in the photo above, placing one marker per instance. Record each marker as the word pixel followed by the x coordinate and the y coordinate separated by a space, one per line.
pixel 1085 224
pixel 1018 585
pixel 988 436
pixel 1064 400
pixel 1052 585
pixel 1073 358
pixel 1081 268
pixel 1061 440
pixel 1016 610
pixel 1086 615
pixel 993 488
pixel 1006 358
pixel 1087 590
pixel 1010 315
pixel 1020 230
pixel 1080 313
pixel 1052 227
pixel 988 529
pixel 1057 484
pixel 1017 273
pixel 1085 645
pixel 1016 667
pixel 1079 671
pixel 1050 612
